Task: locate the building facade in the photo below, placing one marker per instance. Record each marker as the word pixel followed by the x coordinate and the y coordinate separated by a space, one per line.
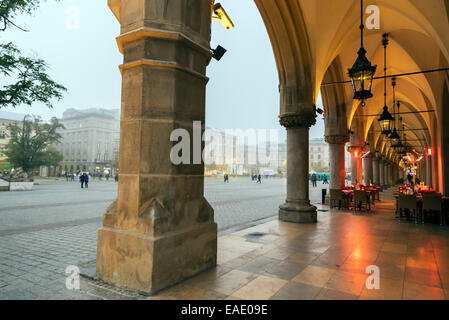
pixel 90 140
pixel 319 155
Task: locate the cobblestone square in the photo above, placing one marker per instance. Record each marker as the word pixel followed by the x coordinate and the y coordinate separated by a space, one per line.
pixel 44 231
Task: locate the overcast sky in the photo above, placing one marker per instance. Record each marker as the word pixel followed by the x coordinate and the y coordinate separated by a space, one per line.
pixel 243 87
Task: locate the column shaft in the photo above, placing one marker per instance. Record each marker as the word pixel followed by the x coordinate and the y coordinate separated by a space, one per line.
pixel 368 170
pixel 337 165
pixel 376 173
pixel 297 207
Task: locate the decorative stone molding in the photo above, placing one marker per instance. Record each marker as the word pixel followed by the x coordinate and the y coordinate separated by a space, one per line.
pixel 336 139
pixel 356 148
pixel 295 120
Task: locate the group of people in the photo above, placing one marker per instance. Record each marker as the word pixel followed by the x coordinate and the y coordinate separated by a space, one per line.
pixel 257 178
pixel 84 179
pixel 314 179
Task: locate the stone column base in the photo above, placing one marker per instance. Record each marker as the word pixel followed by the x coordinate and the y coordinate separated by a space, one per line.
pixel 148 264
pixel 298 213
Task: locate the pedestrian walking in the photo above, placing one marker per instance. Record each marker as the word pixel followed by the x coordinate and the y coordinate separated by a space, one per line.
pixel 314 180
pixel 259 179
pixel 86 180
pixel 81 179
pixel 325 181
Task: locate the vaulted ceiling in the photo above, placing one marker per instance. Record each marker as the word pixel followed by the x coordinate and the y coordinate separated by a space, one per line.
pixel 419 40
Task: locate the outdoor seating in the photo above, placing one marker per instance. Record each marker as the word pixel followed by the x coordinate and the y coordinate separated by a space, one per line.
pixel 408 202
pixel 361 198
pixel 337 195
pixel 432 203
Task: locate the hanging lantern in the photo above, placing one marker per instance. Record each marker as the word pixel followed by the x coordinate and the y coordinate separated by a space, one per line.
pixel 386 120
pixel 362 72
pixel 395 138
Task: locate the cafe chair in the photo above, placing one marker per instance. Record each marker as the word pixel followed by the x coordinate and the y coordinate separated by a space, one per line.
pixel 432 203
pixel 361 198
pixel 337 195
pixel 408 202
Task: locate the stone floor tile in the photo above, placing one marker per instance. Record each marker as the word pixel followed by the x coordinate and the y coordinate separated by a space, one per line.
pixel 232 281
pixel 331 294
pixel 356 266
pixel 423 263
pixel 348 282
pixel 304 257
pixel 239 261
pixel 261 288
pixel 413 291
pixel 296 291
pixel 315 275
pixel 392 258
pixel 391 271
pixel 422 276
pixel 259 264
pixel 394 247
pixel 285 269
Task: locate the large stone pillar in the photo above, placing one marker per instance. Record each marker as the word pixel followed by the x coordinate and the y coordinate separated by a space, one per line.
pixel 368 170
pixel 382 172
pixel 161 229
pixel 356 163
pixel 297 207
pixel 376 173
pixel 429 171
pixel 386 174
pixel 337 160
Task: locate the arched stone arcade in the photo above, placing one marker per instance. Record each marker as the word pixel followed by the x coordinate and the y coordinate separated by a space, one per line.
pixel 161 230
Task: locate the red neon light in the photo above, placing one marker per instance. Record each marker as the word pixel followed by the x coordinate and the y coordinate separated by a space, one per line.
pixel 356 154
pixel 429 151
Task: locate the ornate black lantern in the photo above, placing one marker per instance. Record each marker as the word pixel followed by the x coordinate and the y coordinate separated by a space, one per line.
pixel 385 121
pixel 362 72
pixel 394 137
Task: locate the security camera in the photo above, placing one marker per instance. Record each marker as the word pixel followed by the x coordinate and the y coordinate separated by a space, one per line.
pixel 222 16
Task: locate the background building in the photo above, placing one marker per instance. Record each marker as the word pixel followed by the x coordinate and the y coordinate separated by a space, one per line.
pixel 231 162
pixel 319 155
pixel 90 140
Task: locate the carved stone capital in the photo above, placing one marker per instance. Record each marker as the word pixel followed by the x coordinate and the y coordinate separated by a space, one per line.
pixel 336 139
pixel 356 148
pixel 295 120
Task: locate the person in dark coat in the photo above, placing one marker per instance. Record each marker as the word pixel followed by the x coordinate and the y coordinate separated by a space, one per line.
pixel 259 179
pixel 314 180
pixel 82 180
pixel 86 180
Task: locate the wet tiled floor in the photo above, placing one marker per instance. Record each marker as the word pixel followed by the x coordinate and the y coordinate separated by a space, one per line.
pixel 328 260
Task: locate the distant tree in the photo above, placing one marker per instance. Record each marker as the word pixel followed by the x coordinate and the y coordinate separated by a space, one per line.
pixel 51 157
pixel 319 167
pixel 30 143
pixel 29 81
